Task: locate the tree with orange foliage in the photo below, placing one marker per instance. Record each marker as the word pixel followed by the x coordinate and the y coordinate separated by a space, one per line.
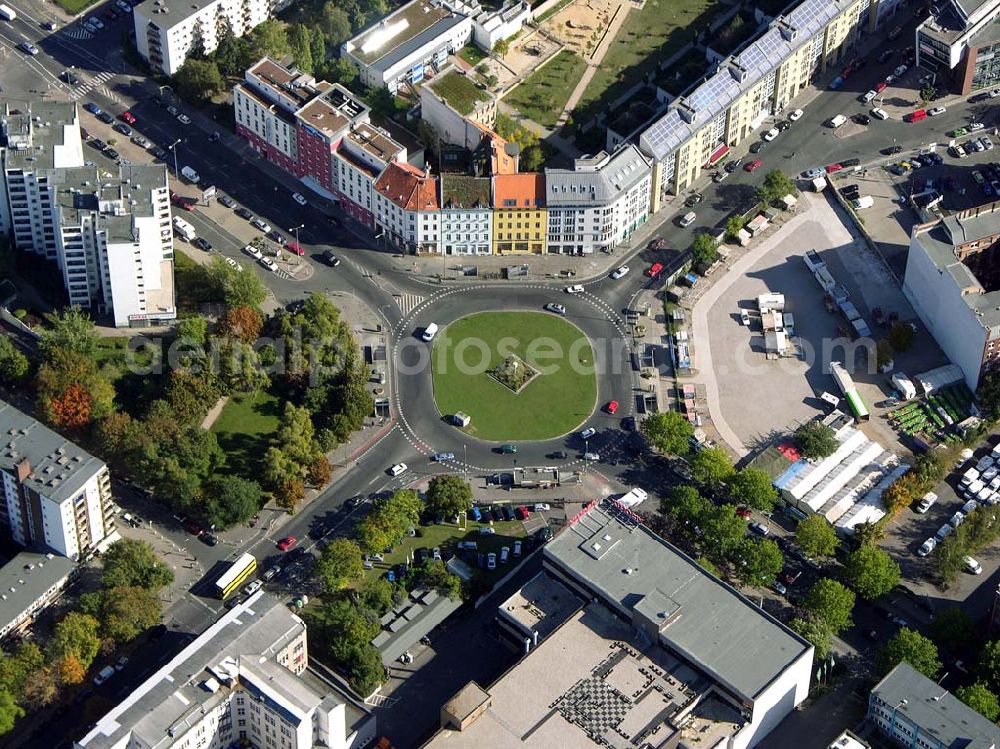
pixel 291 493
pixel 71 671
pixel 318 471
pixel 244 323
pixel 72 410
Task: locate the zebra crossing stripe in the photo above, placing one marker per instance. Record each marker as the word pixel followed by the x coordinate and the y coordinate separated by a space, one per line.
pixel 408 302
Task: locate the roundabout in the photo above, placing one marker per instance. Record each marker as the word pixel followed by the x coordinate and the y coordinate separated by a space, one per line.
pixel 519 375
pixel 541 411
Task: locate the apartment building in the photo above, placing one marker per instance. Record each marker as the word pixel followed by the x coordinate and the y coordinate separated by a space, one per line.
pixel 316 130
pixel 242 682
pixel 397 50
pixel 698 129
pixel 167 30
pixel 952 282
pixel 628 642
pixel 109 236
pixel 466 215
pixel 959 41
pixel 520 221
pixel 55 495
pixel 598 203
pixel 408 209
pixel 913 711
pixel 457 108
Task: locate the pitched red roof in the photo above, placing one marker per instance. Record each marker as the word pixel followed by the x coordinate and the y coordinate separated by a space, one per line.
pixel 408 187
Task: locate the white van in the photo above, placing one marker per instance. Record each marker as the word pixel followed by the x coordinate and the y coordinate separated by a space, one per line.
pixel 837 121
pixel 7 13
pixel 689 218
pixel 429 332
pixel 190 175
pixel 865 201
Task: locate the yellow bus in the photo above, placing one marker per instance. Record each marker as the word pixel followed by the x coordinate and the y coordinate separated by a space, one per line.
pixel 237 574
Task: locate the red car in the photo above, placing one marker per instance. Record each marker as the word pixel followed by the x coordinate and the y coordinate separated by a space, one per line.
pixel 128 117
pixel 834 168
pixel 743 512
pixel 522 513
pixel 655 270
pixel 180 201
pixel 287 542
pixel 193 528
pixel 294 248
pixel 754 165
pixel 880 87
pixel 612 408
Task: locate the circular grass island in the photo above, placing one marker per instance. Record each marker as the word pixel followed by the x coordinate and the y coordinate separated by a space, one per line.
pixel 519 375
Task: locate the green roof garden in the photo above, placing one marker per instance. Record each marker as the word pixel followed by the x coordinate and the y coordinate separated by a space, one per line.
pixel 459 92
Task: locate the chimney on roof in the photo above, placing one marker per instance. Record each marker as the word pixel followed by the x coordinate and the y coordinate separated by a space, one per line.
pixel 23 470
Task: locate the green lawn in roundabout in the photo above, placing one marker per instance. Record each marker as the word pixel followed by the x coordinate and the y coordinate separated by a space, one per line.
pixel 556 400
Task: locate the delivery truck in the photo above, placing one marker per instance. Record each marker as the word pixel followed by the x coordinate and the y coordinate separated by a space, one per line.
pixel 7 13
pixel 850 391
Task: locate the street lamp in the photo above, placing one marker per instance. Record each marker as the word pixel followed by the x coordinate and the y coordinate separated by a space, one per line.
pixel 892 723
pixel 173 147
pixel 296 230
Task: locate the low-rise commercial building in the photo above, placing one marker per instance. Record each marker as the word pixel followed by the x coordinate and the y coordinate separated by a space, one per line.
pixel 598 203
pixel 55 494
pixel 913 711
pixel 29 582
pixel 166 31
pixel 520 222
pixel 243 682
pixel 653 651
pixel 959 41
pixel 952 283
pixel 396 51
pixel 109 237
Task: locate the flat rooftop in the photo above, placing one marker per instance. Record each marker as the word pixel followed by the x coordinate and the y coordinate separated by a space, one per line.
pixel 591 684
pixel 541 606
pixel 35 132
pixel 459 92
pixel 374 142
pixel 394 33
pixel 936 710
pixel 26 578
pixel 59 468
pixel 704 620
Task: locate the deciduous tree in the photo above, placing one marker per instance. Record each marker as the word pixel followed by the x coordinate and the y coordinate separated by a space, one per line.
pixel 753 487
pixel 832 602
pixel 711 465
pixel 42 688
pixel 14 365
pixel 816 537
pixel 815 440
pixel 449 495
pixel 10 711
pixel 130 562
pixel 871 572
pixel 290 494
pixel 815 631
pixel 318 471
pixel 377 595
pixel 75 635
pixel 758 562
pixel 128 611
pixel 230 500
pixel 912 647
pixel 952 629
pixel 71 671
pixel 981 699
pixel 69 330
pixel 242 322
pixel 339 565
pixel 199 80
pixel 668 432
pixel 704 250
pixel 901 336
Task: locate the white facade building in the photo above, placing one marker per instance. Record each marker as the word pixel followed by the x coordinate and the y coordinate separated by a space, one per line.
pixel 489 27
pixel 407 208
pixel 599 203
pixel 54 493
pixel 30 581
pixel 167 30
pixel 397 49
pixel 466 215
pixel 243 681
pixel 109 237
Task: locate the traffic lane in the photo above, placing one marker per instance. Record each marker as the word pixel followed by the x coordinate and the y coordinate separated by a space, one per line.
pixel 38 67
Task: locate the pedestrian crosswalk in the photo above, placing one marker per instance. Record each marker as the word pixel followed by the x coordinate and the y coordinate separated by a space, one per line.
pixel 408 302
pixel 76 32
pixel 98 80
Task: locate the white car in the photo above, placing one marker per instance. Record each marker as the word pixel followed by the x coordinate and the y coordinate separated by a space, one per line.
pixel 936 111
pixel 269 264
pixel 620 272
pixel 771 134
pixel 901 70
pixel 879 114
pixel 591 456
pixel 397 469
pixel 816 171
pixel 974 126
pixel 796 115
pixel 587 433
pixel 542 507
pixel 234 265
pixel 557 308
pixel 262 225
pixel 298 198
pixel 927 547
pixel 184 119
pixel 971 565
pixel 253 252
pixel 252 588
pixel 577 289
pixel 989 474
